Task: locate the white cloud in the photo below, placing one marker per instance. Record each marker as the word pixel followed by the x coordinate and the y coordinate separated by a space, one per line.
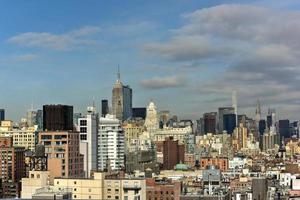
pixel 60 42
pixel 259 46
pixel 164 82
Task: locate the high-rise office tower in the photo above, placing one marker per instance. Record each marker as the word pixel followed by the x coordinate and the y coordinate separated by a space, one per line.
pixel 57 118
pixel 234 105
pixel 224 111
pixel 210 120
pixel 139 113
pixel 31 117
pixel 229 123
pixel 111 144
pixel 104 107
pixel 121 100
pixel 271 119
pixel 39 119
pixel 241 135
pixel 88 130
pixel 262 126
pixel 2 114
pixel 257 113
pixel 284 128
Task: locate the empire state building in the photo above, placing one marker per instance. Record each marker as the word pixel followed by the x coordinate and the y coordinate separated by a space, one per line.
pixel 121 100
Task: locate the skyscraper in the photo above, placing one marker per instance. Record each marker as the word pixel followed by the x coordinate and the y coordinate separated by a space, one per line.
pixel 229 123
pixel 104 107
pixel 224 111
pixel 2 114
pixel 257 113
pixel 262 126
pixel 121 100
pixel 139 113
pixel 284 128
pixel 151 121
pixel 111 144
pixel 88 130
pixel 234 105
pixel 31 117
pixel 210 120
pixel 57 117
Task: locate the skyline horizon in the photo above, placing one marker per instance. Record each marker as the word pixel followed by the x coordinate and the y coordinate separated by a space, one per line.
pixel 186 56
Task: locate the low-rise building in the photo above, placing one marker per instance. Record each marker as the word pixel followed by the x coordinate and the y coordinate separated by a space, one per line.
pixel 162 189
pixel 22 137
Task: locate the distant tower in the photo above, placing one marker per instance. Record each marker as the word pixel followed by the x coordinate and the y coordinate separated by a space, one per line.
pixel 104 107
pixel 234 105
pixel 121 99
pixel 151 121
pixel 257 113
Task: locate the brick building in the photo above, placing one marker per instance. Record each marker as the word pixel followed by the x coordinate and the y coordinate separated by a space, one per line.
pixel 162 189
pixel 62 150
pixel 220 162
pixel 173 153
pixel 12 167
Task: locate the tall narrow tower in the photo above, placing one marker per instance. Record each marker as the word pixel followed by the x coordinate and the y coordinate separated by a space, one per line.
pixel 234 105
pixel 257 112
pixel 121 99
pixel 117 97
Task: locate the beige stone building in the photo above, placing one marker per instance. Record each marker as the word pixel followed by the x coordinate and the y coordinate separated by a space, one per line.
pixel 35 180
pixel 132 131
pixel 25 137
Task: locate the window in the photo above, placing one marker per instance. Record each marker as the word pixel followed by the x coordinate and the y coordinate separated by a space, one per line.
pixel 83 129
pixel 38 176
pixel 75 189
pixel 83 137
pixel 90 190
pixel 75 182
pixel 75 196
pixel 116 197
pixel 32 175
pixel 46 137
pixel 57 182
pixel 83 123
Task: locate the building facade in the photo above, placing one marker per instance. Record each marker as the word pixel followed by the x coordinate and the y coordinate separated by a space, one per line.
pixel 12 168
pixel 121 100
pixel 57 118
pixel 88 134
pixel 111 147
pixel 173 153
pixel 62 151
pixel 25 137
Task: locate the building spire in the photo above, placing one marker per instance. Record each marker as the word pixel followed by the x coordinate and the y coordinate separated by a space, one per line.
pixel 119 74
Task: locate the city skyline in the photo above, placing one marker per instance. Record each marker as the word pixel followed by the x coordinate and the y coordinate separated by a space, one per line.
pixel 163 50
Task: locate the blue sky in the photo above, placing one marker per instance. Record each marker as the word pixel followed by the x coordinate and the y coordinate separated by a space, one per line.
pixel 185 55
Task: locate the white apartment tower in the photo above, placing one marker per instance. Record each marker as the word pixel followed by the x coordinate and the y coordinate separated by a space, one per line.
pixel 88 129
pixel 111 146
